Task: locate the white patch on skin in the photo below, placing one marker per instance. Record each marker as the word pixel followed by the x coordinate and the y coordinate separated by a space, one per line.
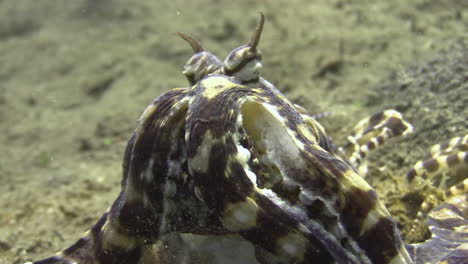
pixel 252 177
pixel 277 131
pixel 147 174
pixel 243 154
pixel 267 85
pixel 199 162
pixel 374 140
pixel 241 215
pixel 296 210
pixel 284 153
pixel 250 71
pixel 303 229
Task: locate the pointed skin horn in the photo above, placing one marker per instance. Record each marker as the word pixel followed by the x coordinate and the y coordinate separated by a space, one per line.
pixel 258 32
pixel 196 46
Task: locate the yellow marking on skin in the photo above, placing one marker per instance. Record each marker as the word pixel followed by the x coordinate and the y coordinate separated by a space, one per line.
pixel 240 215
pixel 304 130
pixel 316 127
pixel 200 161
pixel 181 103
pixel 150 109
pixel 147 113
pixel 292 246
pixel 372 218
pixel 352 179
pixel 377 212
pixel 215 85
pixel 258 97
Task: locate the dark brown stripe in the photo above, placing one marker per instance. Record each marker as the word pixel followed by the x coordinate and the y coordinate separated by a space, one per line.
pixel 371 145
pixel 396 125
pixel 460 186
pixel 113 254
pixel 444 145
pixel 410 175
pixel 431 165
pixel 452 160
pixel 239 67
pixel 324 159
pixel 245 59
pixel 153 136
pixel 380 140
pixel 382 242
pixel 191 79
pixel 266 232
pixel 362 154
pixel 317 183
pixel 139 221
pixel 374 120
pixel 318 211
pixel 215 175
pixel 357 206
pixel 274 223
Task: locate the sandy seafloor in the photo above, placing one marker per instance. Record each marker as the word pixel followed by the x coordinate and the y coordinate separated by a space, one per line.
pixel 75 76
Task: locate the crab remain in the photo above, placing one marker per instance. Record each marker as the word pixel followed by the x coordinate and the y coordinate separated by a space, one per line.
pixel 231 155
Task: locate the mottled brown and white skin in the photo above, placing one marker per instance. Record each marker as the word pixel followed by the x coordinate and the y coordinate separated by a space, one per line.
pixel 232 155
